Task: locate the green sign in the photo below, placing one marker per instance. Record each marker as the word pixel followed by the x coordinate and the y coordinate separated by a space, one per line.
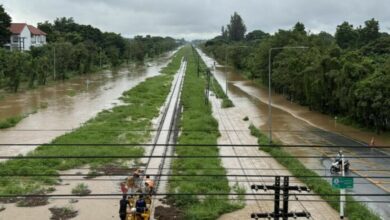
pixel 342 182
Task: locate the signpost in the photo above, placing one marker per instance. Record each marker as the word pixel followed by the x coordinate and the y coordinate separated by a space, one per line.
pixel 342 182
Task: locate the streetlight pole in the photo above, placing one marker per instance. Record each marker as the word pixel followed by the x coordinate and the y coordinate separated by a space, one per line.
pixel 226 77
pixel 269 84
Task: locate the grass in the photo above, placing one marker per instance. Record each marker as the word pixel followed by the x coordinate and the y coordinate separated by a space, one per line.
pixel 141 105
pixel 14 120
pixel 353 210
pixel 71 93
pixel 43 105
pixel 62 213
pixel 81 189
pixel 226 102
pixel 198 116
pixel 11 121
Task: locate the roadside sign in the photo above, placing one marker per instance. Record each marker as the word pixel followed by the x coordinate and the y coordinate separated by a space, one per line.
pixel 342 182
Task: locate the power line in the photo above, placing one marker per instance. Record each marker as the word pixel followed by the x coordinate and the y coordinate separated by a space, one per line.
pixel 189 175
pixel 230 199
pixel 194 145
pixel 187 130
pixel 93 179
pixel 246 168
pixel 196 194
pixel 179 157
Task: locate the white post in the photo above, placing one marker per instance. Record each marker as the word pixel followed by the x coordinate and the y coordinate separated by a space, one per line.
pixel 226 73
pixel 342 191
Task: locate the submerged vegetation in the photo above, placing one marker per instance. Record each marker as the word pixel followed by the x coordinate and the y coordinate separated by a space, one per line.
pixel 198 116
pixel 81 189
pixel 226 102
pixel 353 210
pixel 141 105
pixel 11 121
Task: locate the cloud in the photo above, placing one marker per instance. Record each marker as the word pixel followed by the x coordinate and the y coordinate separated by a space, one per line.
pixel 200 18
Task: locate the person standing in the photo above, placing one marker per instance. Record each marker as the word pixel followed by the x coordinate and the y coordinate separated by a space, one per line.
pixel 123 207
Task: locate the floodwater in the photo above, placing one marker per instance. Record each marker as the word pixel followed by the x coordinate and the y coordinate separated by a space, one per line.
pixel 69 105
pixel 297 125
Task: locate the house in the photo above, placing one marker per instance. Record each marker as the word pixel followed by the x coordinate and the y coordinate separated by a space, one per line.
pixel 25 36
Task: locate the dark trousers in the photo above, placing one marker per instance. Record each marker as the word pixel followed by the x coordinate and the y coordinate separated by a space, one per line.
pixel 122 216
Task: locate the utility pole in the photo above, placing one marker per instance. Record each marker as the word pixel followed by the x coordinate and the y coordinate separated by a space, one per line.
pixel 226 76
pixel 342 191
pixel 281 213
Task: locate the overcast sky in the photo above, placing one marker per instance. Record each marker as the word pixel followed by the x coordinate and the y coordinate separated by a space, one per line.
pixel 200 19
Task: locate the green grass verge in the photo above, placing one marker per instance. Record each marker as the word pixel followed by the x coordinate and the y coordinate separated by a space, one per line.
pixel 198 116
pixel 353 210
pixel 11 121
pixel 226 102
pixel 140 105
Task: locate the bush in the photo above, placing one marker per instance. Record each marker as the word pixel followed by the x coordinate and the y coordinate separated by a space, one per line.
pixel 63 213
pixel 81 189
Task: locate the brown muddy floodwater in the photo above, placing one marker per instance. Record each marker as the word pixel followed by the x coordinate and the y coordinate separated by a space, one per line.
pixel 69 104
pixel 295 124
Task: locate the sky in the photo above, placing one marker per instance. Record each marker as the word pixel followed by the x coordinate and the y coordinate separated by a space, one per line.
pixel 201 19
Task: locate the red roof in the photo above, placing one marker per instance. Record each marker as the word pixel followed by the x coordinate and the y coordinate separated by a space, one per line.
pixel 35 30
pixel 17 28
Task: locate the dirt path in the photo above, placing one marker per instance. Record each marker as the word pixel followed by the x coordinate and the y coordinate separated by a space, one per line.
pixel 231 119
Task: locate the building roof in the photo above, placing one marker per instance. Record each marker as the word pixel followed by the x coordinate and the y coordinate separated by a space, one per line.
pixel 35 30
pixel 17 28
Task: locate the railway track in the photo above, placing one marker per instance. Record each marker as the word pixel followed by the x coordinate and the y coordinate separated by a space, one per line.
pixel 164 137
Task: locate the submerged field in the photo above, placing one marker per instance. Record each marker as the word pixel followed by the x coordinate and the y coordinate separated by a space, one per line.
pixel 97 137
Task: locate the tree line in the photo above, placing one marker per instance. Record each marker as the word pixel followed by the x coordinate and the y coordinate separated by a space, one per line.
pixel 346 75
pixel 72 49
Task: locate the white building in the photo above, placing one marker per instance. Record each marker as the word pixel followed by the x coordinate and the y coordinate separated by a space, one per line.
pixel 25 36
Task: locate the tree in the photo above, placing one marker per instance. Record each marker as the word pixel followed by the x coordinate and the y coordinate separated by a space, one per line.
pixel 5 22
pixel 370 32
pixel 16 68
pixel 300 28
pixel 256 35
pixel 224 32
pixel 346 36
pixel 236 28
